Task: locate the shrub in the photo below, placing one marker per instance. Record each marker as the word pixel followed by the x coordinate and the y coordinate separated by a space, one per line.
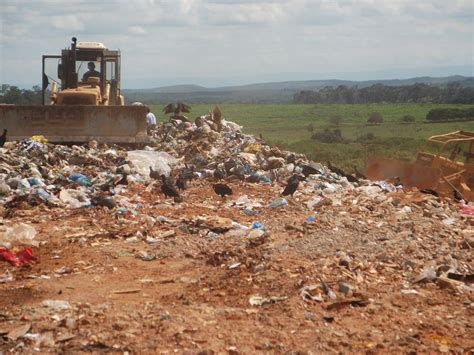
pixel 369 136
pixel 329 136
pixel 408 119
pixel 336 120
pixel 375 118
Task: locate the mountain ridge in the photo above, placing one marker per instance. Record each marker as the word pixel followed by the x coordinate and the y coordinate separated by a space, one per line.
pixel 269 92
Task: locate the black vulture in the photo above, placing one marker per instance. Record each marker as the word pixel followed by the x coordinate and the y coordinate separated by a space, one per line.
pixel 292 185
pixel 358 174
pixel 3 138
pixel 181 182
pixel 222 189
pixel 154 174
pixel 168 188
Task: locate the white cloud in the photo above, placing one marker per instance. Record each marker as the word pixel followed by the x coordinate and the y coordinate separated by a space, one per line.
pixel 67 22
pixel 136 30
pixel 240 37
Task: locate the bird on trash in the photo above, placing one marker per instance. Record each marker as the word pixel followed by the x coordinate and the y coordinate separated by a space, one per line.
pixel 219 173
pixel 104 200
pixel 397 182
pixel 292 185
pixel 168 187
pixel 335 169
pixel 351 178
pixel 154 174
pixel 457 196
pixel 429 192
pixel 182 182
pixel 3 138
pixel 308 170
pixel 358 174
pixel 222 189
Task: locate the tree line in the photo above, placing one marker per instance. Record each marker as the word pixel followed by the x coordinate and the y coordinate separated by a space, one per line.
pixel 450 114
pixel 10 94
pixel 452 93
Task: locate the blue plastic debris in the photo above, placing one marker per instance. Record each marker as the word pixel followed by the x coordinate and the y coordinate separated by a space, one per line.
pixel 80 179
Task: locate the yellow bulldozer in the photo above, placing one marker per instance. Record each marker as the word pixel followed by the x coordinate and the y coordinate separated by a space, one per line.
pixel 77 106
pixel 449 171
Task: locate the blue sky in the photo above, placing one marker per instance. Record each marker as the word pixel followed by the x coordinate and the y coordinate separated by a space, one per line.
pixel 225 42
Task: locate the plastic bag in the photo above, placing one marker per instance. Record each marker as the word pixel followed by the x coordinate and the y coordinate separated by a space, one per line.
pixel 20 234
pixel 80 179
pixel 142 160
pixel 74 198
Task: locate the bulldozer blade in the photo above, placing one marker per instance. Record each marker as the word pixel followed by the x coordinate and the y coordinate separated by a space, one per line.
pixel 74 124
pixel 410 175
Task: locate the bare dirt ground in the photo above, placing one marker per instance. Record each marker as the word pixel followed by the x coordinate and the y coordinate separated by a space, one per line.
pixel 191 293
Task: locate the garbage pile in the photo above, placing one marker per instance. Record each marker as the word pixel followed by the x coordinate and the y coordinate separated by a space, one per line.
pixel 355 235
pixel 34 172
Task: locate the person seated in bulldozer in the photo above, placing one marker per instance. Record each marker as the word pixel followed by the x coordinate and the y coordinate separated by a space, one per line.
pixel 91 72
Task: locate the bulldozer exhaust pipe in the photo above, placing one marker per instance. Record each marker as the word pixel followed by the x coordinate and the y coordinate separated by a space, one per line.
pixel 74 78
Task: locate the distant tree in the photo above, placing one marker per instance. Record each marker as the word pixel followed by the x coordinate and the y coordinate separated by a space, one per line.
pixel 336 120
pixel 450 114
pixel 375 118
pixel 454 92
pixel 10 94
pixel 408 119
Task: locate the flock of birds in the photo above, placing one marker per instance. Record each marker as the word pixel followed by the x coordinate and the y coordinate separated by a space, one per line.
pixel 172 187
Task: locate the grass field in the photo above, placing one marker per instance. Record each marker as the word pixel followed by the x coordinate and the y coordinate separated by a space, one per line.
pixel 287 126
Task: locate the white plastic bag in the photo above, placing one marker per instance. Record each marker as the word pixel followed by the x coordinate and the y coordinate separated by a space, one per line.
pixel 20 234
pixel 74 198
pixel 161 162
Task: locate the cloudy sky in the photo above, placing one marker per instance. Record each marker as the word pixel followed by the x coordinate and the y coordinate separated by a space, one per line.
pixel 226 42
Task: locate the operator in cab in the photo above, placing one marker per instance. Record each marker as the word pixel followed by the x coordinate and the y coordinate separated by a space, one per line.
pixel 90 72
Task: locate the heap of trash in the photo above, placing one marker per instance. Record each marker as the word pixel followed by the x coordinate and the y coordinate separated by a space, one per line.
pixel 122 185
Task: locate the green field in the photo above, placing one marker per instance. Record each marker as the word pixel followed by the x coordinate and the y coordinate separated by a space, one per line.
pixel 287 126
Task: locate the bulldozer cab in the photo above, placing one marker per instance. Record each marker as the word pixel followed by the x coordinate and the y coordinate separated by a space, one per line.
pixel 69 71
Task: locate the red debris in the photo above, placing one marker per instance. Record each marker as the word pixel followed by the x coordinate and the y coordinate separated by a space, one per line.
pixel 24 256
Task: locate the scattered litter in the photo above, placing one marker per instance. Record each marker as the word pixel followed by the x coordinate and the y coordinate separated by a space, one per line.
pixel 19 331
pixel 354 302
pixel 121 292
pixel 57 305
pixel 278 202
pixel 6 278
pixel 19 258
pixel 311 293
pixel 145 256
pixel 260 301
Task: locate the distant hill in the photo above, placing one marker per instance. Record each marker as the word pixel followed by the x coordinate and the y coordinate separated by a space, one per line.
pixel 277 92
